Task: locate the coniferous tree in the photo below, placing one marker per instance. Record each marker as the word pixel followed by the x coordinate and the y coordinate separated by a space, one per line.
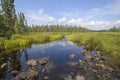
pixel 8 14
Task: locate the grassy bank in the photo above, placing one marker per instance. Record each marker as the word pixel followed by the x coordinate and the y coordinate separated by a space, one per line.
pixel 109 42
pixel 18 40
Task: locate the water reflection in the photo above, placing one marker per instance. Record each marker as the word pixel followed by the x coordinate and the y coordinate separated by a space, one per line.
pixel 13 61
pixel 24 51
pixel 3 59
pixel 58 52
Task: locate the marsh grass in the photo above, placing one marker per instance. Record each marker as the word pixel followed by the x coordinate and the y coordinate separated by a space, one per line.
pixel 109 42
pixel 18 40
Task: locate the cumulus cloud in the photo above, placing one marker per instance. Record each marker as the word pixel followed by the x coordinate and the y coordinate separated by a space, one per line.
pixel 100 25
pixel 75 21
pixel 62 20
pixel 39 17
pixel 93 24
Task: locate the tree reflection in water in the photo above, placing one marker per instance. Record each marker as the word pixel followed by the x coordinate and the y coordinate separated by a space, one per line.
pixel 14 61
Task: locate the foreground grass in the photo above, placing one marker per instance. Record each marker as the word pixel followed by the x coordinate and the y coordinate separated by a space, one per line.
pixel 108 42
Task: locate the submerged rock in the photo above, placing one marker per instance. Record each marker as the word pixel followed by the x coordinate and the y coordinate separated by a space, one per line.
pixel 72 63
pixel 21 76
pixel 85 52
pixel 28 75
pixel 32 63
pixel 43 70
pixel 32 74
pixel 88 56
pixel 43 60
pixel 78 77
pixel 46 78
pixel 66 77
pixel 3 65
pixel 72 56
pixel 14 72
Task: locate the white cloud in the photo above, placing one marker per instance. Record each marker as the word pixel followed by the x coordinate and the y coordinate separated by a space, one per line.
pixel 39 17
pixel 72 21
pixel 100 25
pixel 117 22
pixel 93 24
pixel 75 21
pixel 96 25
pixel 62 20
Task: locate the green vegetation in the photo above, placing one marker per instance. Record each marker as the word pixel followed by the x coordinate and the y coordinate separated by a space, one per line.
pixel 18 40
pixel 108 42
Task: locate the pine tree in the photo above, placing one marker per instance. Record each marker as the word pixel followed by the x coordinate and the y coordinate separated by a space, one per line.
pixel 8 13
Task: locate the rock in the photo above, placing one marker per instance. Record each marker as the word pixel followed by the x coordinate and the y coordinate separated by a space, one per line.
pixel 4 65
pixel 43 60
pixel 14 72
pixel 21 76
pixel 72 63
pixel 102 58
pixel 103 66
pixel 97 52
pixel 90 64
pixel 88 56
pixel 78 77
pixel 95 71
pixel 43 70
pixel 72 56
pixel 96 58
pixel 85 52
pixel 98 76
pixel 28 75
pixel 102 62
pixel 32 63
pixel 31 74
pixel 80 64
pixel 110 69
pixel 46 78
pixel 66 77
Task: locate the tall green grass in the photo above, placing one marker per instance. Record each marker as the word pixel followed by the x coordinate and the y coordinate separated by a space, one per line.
pixel 18 40
pixel 109 42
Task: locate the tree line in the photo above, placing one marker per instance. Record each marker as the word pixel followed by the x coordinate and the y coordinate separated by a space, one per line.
pixel 56 28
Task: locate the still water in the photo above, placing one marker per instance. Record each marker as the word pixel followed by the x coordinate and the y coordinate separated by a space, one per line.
pixel 58 51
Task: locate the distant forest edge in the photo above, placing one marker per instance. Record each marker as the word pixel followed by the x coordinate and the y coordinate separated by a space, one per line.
pixel 16 23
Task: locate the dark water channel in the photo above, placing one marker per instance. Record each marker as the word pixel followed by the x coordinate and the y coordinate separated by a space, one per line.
pixel 58 52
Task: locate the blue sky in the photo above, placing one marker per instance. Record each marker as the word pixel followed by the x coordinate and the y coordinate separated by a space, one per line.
pixel 92 14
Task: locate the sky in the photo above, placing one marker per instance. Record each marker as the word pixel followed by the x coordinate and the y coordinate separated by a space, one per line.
pixel 91 14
